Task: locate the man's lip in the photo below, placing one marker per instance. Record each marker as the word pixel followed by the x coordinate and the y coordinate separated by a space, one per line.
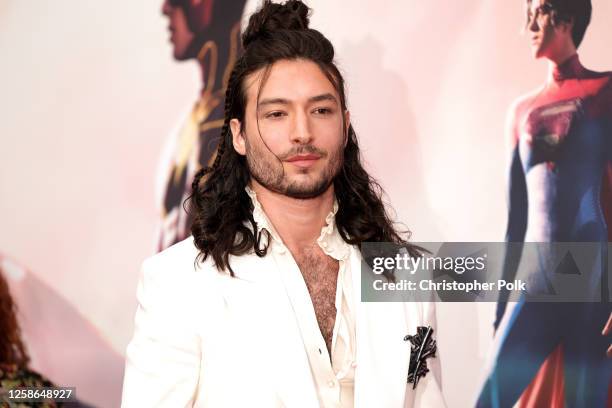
pixel 303 157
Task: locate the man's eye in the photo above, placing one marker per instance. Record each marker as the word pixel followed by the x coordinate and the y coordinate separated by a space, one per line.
pixel 275 114
pixel 322 111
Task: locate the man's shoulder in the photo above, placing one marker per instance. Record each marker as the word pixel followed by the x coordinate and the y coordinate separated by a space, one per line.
pixel 601 75
pixel 177 255
pixel 179 262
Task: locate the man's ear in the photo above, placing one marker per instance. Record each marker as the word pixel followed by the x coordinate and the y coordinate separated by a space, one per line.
pixel 237 136
pixel 347 125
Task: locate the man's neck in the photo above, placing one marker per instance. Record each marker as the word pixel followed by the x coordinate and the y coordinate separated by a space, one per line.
pixel 297 221
pixel 560 57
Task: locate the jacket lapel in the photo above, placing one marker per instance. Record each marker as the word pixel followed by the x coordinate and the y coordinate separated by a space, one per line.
pixel 257 300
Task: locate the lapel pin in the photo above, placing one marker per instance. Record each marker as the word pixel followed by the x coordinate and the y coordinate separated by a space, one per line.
pixel 422 347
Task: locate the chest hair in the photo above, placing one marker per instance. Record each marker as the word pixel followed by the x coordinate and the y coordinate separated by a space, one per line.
pixel 320 273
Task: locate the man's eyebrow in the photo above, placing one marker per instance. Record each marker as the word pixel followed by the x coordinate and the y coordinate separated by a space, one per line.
pixel 273 101
pixel 283 101
pixel 323 97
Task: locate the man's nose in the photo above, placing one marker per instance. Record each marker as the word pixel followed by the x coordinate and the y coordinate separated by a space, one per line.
pixel 301 129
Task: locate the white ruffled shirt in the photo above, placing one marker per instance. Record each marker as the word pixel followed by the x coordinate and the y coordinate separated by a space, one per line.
pixel 334 378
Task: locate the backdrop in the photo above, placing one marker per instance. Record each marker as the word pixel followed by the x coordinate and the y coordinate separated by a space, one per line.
pixel 89 92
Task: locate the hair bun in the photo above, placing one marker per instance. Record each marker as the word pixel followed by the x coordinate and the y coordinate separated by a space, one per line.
pixel 292 15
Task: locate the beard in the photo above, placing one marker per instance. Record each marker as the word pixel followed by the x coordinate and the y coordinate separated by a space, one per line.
pixel 268 170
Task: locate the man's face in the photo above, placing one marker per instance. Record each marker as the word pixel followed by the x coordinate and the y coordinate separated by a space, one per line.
pixel 546 39
pixel 180 35
pixel 294 138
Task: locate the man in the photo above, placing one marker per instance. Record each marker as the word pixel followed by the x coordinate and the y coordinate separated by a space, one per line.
pixel 264 310
pixel 209 32
pixel 560 184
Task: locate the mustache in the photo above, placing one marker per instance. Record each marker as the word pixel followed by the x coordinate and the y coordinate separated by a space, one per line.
pixel 304 149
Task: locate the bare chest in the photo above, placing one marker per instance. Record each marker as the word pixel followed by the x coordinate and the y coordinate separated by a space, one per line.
pixel 320 273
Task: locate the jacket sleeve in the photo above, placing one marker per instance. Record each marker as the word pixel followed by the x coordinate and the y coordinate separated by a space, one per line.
pixel 163 357
pixel 428 392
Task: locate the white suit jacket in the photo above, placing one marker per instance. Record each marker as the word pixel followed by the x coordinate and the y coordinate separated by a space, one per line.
pixel 205 339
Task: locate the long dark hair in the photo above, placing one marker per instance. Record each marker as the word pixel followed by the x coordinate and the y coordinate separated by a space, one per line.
pixel 222 210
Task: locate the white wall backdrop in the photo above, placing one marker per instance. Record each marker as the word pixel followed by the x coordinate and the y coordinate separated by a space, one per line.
pixel 89 92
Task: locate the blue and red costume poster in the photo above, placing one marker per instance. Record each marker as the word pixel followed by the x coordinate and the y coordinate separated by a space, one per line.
pixel 559 192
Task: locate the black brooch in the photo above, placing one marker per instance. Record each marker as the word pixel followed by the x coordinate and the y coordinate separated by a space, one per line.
pixel 422 347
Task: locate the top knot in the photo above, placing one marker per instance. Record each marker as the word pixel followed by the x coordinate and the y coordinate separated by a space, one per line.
pixel 292 15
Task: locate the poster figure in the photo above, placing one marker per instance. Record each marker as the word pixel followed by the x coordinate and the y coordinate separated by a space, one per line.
pixel 208 31
pixel 561 139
